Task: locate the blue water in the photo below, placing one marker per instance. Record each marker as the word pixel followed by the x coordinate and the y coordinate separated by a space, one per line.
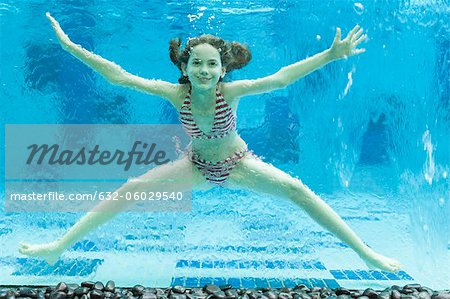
pixel 369 134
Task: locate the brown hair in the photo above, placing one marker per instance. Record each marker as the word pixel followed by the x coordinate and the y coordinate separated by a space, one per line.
pixel 232 55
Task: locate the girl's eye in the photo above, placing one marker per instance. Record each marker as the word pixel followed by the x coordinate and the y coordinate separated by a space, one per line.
pixel 196 62
pixel 212 63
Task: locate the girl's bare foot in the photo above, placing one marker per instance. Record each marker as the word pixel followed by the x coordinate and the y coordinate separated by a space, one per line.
pixel 375 260
pixel 50 252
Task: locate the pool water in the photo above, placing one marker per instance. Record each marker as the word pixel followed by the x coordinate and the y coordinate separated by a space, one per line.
pixel 368 134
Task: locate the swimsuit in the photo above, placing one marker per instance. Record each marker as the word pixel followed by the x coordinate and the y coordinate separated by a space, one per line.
pixel 224 124
pixel 216 172
pixel 224 119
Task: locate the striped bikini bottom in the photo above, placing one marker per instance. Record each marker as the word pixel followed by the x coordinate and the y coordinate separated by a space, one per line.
pixel 217 172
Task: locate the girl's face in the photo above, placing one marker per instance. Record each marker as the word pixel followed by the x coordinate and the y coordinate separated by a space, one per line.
pixel 204 67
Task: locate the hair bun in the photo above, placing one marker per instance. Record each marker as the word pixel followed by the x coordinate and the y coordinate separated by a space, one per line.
pixel 241 56
pixel 174 51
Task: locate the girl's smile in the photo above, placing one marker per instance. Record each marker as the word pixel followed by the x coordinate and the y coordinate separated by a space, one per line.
pixel 204 67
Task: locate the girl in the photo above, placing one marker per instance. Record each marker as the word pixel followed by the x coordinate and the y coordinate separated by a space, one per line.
pixel 217 154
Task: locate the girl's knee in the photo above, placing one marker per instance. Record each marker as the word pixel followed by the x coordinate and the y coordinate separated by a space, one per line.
pixel 295 188
pixel 130 185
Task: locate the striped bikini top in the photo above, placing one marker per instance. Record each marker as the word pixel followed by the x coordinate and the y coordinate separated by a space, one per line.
pixel 224 119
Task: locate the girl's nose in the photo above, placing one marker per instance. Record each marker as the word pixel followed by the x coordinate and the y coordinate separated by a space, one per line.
pixel 203 71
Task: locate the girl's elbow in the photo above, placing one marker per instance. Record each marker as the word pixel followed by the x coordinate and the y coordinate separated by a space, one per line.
pixel 117 78
pixel 114 80
pixel 281 82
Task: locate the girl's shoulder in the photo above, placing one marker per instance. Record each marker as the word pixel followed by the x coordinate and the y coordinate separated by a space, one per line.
pixel 226 89
pixel 181 92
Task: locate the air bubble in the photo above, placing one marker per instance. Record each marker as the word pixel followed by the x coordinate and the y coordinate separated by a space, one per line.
pixel 359 8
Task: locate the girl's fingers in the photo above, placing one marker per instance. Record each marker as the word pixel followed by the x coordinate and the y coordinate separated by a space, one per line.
pixel 357 34
pixel 353 31
pixel 55 23
pixel 359 51
pixel 47 14
pixel 338 35
pixel 359 40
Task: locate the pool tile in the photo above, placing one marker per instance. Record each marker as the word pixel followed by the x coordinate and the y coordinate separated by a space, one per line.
pixel 206 280
pixel 252 282
pixel 218 281
pixel 177 281
pixel 275 283
pixel 279 265
pixel 219 264
pixel 364 274
pixel 207 264
pixel 85 246
pixel 63 267
pixel 235 282
pixel 338 274
pixel 378 275
pixel 317 282
pixel 403 275
pixel 331 283
pixel 293 265
pixel 391 276
pixel 248 282
pixel 191 282
pixel 306 265
pixel 261 283
pixel 234 264
pixel 318 265
pixel 182 264
pixel 289 283
pixel 270 264
pixel 255 264
pixel 304 281
pixel 351 275
pixel 73 270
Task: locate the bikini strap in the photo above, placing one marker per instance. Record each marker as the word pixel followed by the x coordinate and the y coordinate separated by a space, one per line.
pixel 187 98
pixel 219 96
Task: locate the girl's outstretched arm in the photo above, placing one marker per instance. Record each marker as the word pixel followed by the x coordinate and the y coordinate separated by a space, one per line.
pixel 291 73
pixel 113 72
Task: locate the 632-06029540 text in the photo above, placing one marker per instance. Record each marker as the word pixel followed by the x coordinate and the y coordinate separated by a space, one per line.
pixel 142 196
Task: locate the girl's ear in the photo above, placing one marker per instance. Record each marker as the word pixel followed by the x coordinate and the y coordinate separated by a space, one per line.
pixel 224 71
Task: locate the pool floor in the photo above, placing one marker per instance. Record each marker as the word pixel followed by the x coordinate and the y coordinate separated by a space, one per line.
pixel 208 249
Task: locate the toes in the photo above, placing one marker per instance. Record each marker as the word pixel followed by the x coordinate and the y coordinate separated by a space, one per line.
pixel 371 266
pixel 394 266
pixel 397 266
pixel 23 247
pixel 386 264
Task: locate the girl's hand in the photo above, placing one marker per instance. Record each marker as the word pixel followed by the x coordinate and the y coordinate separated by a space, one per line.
pixel 62 37
pixel 347 47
